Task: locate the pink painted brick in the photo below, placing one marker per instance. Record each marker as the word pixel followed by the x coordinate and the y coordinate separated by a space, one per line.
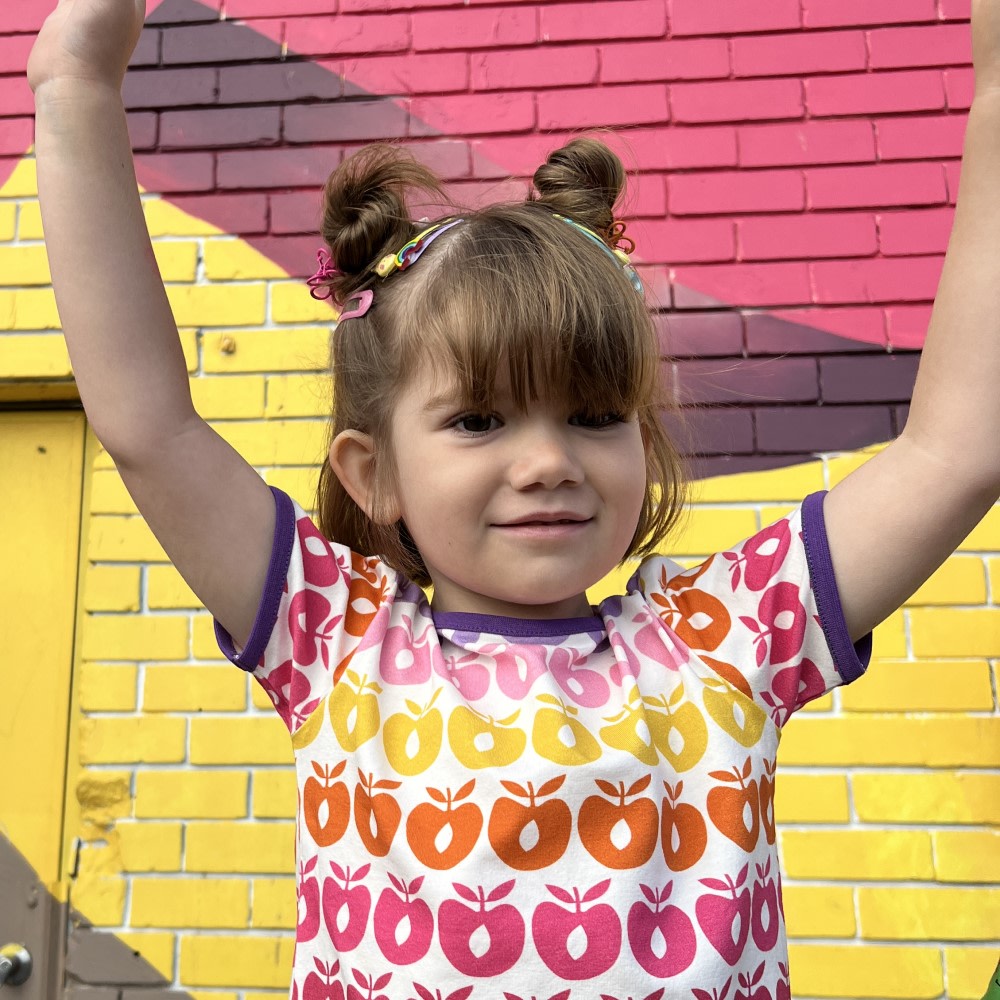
pixel 601 19
pixel 295 212
pixel 959 88
pixel 219 127
pixel 695 59
pixel 239 214
pixel 278 8
pixel 498 156
pixel 883 279
pixel 271 168
pixel 279 82
pixel 955 10
pixel 448 158
pixel 166 173
pixel 680 149
pixel 344 121
pixel 731 17
pixel 739 191
pixel 952 172
pixel 642 104
pixel 736 100
pixel 363 6
pixel 920 138
pixel 348 34
pixel 852 13
pixel 16 97
pixel 814 331
pixel 183 13
pixel 407 73
pixel 472 114
pixel 908 325
pixel 551 66
pixel 875 93
pixel 478 194
pixel 928 45
pixel 14 52
pixel 696 335
pixel 434 30
pixel 918 231
pixel 787 237
pixel 645 197
pixel 671 241
pixel 807 142
pixel 877 185
pixel 16 135
pixel 142 129
pixel 798 53
pixel 739 285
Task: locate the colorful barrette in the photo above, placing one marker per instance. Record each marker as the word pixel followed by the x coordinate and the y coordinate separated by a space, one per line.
pixel 619 255
pixel 409 253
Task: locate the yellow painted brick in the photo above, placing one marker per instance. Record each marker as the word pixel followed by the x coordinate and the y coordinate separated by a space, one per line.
pixel 220 995
pixel 100 898
pixel 97 859
pixel 219 960
pixel 157 948
pixel 150 847
pixel 138 637
pixel 182 794
pixel 177 261
pixel 931 797
pixel 924 686
pixel 856 971
pixel 204 645
pixel 240 741
pixel 709 530
pixel 218 305
pixel 30 355
pixel 29 222
pixel 810 798
pixel 24 265
pixel 940 914
pixel 202 902
pixel 164 219
pixel 245 848
pixel 235 259
pixel 132 740
pixel 953 632
pixel 259 697
pixel 292 303
pixel 993 567
pixel 33 309
pixel 274 903
pixel 792 484
pixel 840 466
pixel 299 482
pixel 8 213
pixel 985 536
pixel 107 689
pixel 966 855
pixel 274 793
pixel 889 638
pixel 195 689
pixel 229 397
pixel 104 797
pixel 266 350
pixel 276 442
pixel 959 580
pixel 166 590
pixel 937 741
pixel 23 181
pixel 112 588
pixel 818 911
pixel 770 514
pixel 856 854
pixel 189 345
pixel 969 971
pixel 823 704
pixel 299 396
pixel 122 539
pixel 108 494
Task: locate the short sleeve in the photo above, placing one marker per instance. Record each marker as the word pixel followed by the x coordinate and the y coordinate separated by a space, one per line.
pixel 765 614
pixel 319 600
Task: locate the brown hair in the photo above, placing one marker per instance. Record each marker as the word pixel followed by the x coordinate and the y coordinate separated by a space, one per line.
pixel 559 309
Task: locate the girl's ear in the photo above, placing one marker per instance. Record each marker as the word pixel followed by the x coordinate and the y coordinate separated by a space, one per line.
pixel 352 458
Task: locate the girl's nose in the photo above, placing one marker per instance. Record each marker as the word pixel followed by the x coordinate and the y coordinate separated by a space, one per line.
pixel 545 456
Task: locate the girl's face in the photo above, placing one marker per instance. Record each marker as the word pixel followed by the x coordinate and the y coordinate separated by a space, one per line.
pixel 464 477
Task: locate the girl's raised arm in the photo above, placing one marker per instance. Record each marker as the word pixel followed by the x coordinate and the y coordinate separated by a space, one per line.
pixel 208 508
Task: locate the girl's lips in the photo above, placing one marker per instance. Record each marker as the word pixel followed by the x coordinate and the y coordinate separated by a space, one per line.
pixel 543 531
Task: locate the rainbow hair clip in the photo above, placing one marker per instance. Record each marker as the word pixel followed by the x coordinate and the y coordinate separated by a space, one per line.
pixel 619 255
pixel 409 253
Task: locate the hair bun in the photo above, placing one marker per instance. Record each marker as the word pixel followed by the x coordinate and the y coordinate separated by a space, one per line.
pixel 582 180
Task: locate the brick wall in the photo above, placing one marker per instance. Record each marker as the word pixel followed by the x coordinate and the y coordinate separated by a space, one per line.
pixel 795 167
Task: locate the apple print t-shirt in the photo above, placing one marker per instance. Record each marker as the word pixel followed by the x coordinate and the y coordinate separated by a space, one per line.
pixel 501 808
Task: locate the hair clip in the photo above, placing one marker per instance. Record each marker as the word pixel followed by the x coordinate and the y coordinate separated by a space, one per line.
pixel 409 253
pixel 619 240
pixel 327 270
pixel 619 255
pixel 364 298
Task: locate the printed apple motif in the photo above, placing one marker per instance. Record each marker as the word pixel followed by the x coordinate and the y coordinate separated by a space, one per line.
pixel 683 834
pixel 469 676
pixel 577 944
pixel 715 994
pixel 368 984
pixel 402 659
pixel 732 809
pixel 321 985
pixel 747 984
pixel 767 783
pixel 480 942
pixel 326 805
pixel 557 736
pixel 793 687
pixel 478 741
pixel 725 921
pixel 354 715
pixel 617 834
pixel 582 684
pixel 734 712
pixel 532 836
pixel 783 990
pixel 307 900
pixel 345 910
pixel 517 668
pixel 700 619
pixel 630 732
pixel 662 941
pixel 442 837
pixel 376 816
pixel 780 616
pixel 403 926
pixel 413 742
pixel 679 731
pixel 460 994
pixel 761 557
pixel 765 897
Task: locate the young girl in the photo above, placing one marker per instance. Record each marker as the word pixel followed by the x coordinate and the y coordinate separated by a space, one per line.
pixel 507 792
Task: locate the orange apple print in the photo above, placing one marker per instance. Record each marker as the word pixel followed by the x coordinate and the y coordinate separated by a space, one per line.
pixel 325 805
pixel 441 838
pixel 532 836
pixel 767 781
pixel 683 834
pixel 376 816
pixel 735 812
pixel 617 834
pixel 679 731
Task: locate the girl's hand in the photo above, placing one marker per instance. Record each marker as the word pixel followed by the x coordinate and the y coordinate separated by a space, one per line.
pixel 986 46
pixel 88 41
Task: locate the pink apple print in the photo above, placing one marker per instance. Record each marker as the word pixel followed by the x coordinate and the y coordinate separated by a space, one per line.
pixel 471 677
pixel 308 902
pixel 661 646
pixel 402 659
pixel 781 616
pixel 517 669
pixel 747 984
pixel 662 940
pixel 725 921
pixel 290 693
pixel 761 557
pixel 765 897
pixel 715 994
pixel 561 995
pixel 584 686
pixel 311 623
pixel 783 990
pixel 459 994
pixel 626 662
pixel 403 926
pixel 320 985
pixel 340 901
pixel 477 941
pixel 655 995
pixel 369 984
pixel 321 565
pixel 577 944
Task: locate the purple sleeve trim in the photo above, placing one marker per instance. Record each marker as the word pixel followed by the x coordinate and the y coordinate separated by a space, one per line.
pixel 274 585
pixel 851 659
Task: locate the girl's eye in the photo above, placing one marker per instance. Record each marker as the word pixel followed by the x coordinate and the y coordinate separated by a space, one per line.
pixel 472 419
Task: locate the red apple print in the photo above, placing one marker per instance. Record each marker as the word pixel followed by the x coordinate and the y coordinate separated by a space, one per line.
pixel 311 623
pixel 376 816
pixel 683 834
pixel 532 836
pixel 780 616
pixel 320 985
pixel 715 994
pixel 345 910
pixel 766 804
pixel 764 909
pixel 747 984
pixel 735 812
pixel 308 902
pixel 783 990
pixel 368 984
pixel 577 944
pixel 662 940
pixel 319 563
pixel 326 805
pixel 655 995
pixel 761 557
pixel 459 994
pixel 403 926
pixel 562 995
pixel 725 921
pixel 480 942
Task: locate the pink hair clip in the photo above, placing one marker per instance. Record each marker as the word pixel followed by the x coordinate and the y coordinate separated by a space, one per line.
pixel 364 304
pixel 327 270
